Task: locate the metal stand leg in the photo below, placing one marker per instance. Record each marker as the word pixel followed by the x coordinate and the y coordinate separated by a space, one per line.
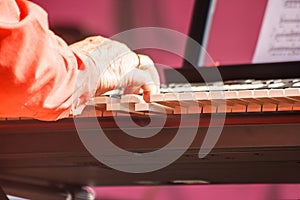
pixel 82 195
pixel 3 195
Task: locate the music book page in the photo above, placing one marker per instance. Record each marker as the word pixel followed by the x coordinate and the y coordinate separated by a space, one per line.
pixel 279 38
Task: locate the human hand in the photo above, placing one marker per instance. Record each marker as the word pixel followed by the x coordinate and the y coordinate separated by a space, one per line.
pixel 119 67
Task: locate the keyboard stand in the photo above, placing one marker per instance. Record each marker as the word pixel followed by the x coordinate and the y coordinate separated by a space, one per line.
pixel 2 194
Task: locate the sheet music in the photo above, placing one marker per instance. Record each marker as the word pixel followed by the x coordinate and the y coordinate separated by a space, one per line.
pixel 279 38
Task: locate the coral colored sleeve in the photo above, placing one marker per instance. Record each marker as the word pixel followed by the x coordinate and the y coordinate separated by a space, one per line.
pixel 38 71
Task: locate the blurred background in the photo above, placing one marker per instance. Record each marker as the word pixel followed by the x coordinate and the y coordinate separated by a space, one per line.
pixel 76 19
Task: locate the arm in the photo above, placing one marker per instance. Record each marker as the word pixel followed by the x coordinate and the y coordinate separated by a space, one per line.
pixel 37 68
pixel 41 77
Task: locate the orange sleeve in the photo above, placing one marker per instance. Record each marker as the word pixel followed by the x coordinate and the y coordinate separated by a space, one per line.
pixel 38 71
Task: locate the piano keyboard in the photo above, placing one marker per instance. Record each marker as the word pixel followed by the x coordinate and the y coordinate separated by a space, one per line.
pixel 262 100
pixel 248 96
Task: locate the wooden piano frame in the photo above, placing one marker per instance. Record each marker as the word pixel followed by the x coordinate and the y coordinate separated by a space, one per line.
pixel 47 160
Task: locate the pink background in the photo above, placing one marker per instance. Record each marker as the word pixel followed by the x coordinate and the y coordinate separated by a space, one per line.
pixel 235 30
pixel 109 17
pixel 204 192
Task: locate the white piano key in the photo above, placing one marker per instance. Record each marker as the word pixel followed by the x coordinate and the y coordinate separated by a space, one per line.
pixel 263 95
pixel 293 93
pixel 157 97
pixel 194 109
pixel 132 98
pixel 279 95
pixel 153 107
pixel 268 104
pixel 180 110
pixel 253 105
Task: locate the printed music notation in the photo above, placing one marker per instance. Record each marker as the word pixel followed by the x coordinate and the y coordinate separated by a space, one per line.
pixel 282 50
pixel 292 35
pixel 291 3
pixel 279 38
pixel 289 20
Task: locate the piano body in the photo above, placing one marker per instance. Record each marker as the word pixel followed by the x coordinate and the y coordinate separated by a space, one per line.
pixel 257 144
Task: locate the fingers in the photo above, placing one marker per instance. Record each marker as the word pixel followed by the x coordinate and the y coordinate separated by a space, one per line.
pixel 107 59
pixel 138 79
pixel 112 75
pixel 105 53
pixel 118 67
pixel 132 74
pixel 147 65
pixel 145 77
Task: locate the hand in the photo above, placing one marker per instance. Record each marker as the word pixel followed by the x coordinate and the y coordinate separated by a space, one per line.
pixel 119 67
